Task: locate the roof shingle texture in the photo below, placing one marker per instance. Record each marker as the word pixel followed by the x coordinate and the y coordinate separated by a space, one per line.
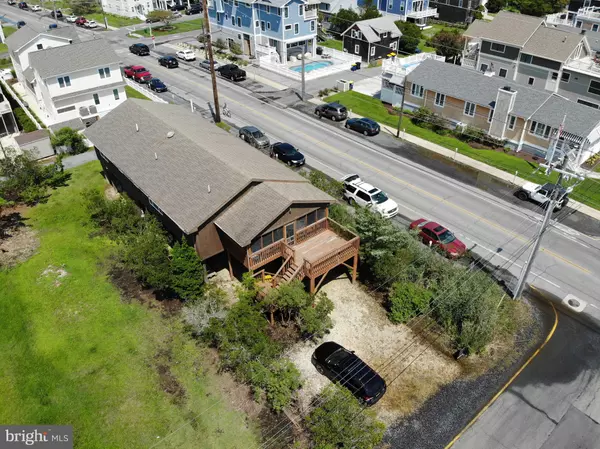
pixel 471 85
pixel 371 28
pixel 552 43
pixel 507 27
pixel 71 58
pixel 194 174
pixel 30 31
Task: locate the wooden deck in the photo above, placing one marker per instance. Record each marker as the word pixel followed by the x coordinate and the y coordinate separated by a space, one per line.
pixel 318 246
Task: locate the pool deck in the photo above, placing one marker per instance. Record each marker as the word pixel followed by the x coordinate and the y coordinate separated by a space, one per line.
pixel 310 66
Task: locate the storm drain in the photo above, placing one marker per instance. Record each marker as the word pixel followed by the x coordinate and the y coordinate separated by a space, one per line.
pixel 574 303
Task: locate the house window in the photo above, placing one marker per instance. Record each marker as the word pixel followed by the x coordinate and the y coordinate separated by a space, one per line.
pixel 539 129
pixel 226 16
pixel 469 109
pixel 268 25
pixel 286 12
pixel 594 87
pixel 296 28
pixel 401 6
pixel 595 27
pixel 587 103
pixel 312 25
pixel 357 49
pixel 267 239
pixel 239 20
pixel 116 93
pixel 300 10
pixel 218 17
pixel 232 21
pixel 40 46
pixel 483 67
pixel 578 24
pixel 104 73
pixel 67 109
pixel 278 11
pixel 64 81
pixel 527 59
pixel 320 214
pixel 498 48
pixel 490 116
pixel 288 28
pixel 256 24
pixel 235 3
pixel 512 121
pixel 460 3
pixel 390 5
pixel 373 50
pixel 565 77
pixel 416 90
pixel 268 9
pixel 255 245
pixel 393 45
pixel 383 35
pixel 96 99
pixel 531 80
pixel 502 73
pixel 440 99
pixel 311 218
pixel 554 76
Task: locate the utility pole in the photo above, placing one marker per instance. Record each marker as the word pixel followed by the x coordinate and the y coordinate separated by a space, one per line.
pixel 104 15
pixel 55 18
pixel 211 59
pixel 204 37
pixel 305 49
pixel 401 107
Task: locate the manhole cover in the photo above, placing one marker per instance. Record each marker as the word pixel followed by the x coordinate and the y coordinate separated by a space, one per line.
pixel 573 303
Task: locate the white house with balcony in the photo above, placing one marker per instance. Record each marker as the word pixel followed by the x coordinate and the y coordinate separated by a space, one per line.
pixel 417 11
pixel 134 8
pixel 79 81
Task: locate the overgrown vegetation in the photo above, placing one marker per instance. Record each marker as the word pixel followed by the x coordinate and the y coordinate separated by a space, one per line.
pixel 70 139
pixel 23 121
pixel 341 422
pixel 530 7
pixel 26 180
pixel 327 184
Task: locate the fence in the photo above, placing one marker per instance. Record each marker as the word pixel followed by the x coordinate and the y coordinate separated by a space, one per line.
pixel 147 92
pixel 342 55
pixel 403 66
pixel 10 90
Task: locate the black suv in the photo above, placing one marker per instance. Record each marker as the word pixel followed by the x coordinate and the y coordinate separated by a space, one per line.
pixel 232 72
pixel 169 61
pixel 177 8
pixel 334 111
pixel 139 49
pixel 196 8
pixel 58 13
pixel 286 152
pixel 23 5
pixel 347 369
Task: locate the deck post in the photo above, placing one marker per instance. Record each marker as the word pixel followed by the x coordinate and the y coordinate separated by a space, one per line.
pixel 229 264
pixel 354 267
pixel 312 286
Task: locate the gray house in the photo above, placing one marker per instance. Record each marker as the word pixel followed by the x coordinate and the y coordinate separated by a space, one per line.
pixel 528 51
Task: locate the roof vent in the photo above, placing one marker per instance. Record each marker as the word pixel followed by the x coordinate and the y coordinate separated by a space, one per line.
pixel 564 39
pixel 507 88
pixel 155 156
pixel 209 188
pixel 582 31
pixel 170 134
pixel 137 128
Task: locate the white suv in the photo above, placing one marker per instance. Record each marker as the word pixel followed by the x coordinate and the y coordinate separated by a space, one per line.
pixel 356 191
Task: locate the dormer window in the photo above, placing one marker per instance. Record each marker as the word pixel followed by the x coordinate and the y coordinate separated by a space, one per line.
pixel 40 47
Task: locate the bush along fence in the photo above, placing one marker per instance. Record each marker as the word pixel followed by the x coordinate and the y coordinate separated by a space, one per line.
pixel 27 126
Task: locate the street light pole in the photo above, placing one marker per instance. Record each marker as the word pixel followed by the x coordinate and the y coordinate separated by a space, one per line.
pixel 211 60
pixel 401 108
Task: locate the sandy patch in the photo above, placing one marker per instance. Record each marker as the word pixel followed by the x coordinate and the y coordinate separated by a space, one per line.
pixel 360 324
pixel 222 280
pixel 18 242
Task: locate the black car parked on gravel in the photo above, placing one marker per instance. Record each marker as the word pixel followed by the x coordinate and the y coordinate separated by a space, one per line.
pixel 347 369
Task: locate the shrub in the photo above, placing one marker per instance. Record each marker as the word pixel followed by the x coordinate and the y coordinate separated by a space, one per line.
pixel 119 217
pixel 235 48
pixel 407 300
pixel 324 92
pixel 315 321
pixel 220 44
pixel 325 183
pixel 198 314
pixel 279 380
pixel 342 214
pixel 70 138
pixel 23 120
pixel 340 421
pixel 187 272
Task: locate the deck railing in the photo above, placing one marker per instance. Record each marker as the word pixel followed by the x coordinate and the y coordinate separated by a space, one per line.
pixel 311 230
pixel 265 255
pixel 325 263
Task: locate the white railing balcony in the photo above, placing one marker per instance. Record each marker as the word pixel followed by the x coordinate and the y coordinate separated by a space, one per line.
pixel 311 14
pixel 429 12
pixel 469 62
pixel 590 12
pixel 559 19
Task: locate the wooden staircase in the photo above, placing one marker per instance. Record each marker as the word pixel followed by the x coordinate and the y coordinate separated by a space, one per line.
pixel 288 275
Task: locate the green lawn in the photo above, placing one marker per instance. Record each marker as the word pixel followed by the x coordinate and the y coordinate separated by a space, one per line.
pixel 132 93
pixel 333 43
pixel 588 192
pixel 437 27
pixel 8 30
pixel 179 27
pixel 76 353
pixel 3 48
pixel 114 20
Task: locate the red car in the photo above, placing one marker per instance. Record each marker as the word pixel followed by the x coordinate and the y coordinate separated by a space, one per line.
pixel 138 73
pixel 433 233
pixel 80 21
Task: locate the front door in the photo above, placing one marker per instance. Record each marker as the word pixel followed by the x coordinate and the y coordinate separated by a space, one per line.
pixel 247 49
pixel 289 233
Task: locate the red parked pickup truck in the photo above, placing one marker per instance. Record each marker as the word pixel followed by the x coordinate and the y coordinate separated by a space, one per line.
pixel 137 73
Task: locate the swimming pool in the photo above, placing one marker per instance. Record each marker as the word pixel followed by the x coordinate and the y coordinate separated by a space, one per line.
pixel 309 67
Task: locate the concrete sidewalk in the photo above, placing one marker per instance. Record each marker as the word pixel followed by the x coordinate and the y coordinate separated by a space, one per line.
pixel 465 160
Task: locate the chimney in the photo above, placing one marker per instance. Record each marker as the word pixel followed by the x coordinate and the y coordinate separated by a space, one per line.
pixel 582 31
pixel 505 101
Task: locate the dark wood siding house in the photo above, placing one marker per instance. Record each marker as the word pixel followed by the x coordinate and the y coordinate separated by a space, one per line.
pixel 372 39
pixel 220 194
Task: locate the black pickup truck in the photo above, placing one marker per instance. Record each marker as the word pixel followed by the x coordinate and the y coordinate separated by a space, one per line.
pixel 232 72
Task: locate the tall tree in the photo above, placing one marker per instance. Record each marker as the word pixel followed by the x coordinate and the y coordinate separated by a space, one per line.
pixel 448 43
pixel 369 10
pixel 411 36
pixel 343 19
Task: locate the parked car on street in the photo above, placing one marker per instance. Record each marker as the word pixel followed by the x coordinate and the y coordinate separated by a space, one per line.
pixel 177 8
pixel 177 14
pixel 254 136
pixel 334 111
pixel 157 85
pixel 168 61
pixel 80 21
pixel 347 369
pixel 23 5
pixel 58 13
pixel 139 49
pixel 152 20
pixel 91 24
pixel 21 24
pixel 186 55
pixel 364 126
pixel 71 18
pixel 196 8
pixel 12 2
pixel 358 192
pixel 434 234
pixel 205 64
pixel 137 73
pixel 36 8
pixel 232 72
pixel 287 153
pixel 542 194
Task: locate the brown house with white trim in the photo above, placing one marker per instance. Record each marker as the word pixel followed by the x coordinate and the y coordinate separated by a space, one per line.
pixel 220 194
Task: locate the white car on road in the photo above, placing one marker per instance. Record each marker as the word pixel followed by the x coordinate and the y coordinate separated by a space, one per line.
pixel 356 191
pixel 90 24
pixel 71 19
pixel 36 8
pixel 186 55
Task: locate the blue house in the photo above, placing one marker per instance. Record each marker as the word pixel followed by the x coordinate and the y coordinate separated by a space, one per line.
pixel 279 28
pixel 416 11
